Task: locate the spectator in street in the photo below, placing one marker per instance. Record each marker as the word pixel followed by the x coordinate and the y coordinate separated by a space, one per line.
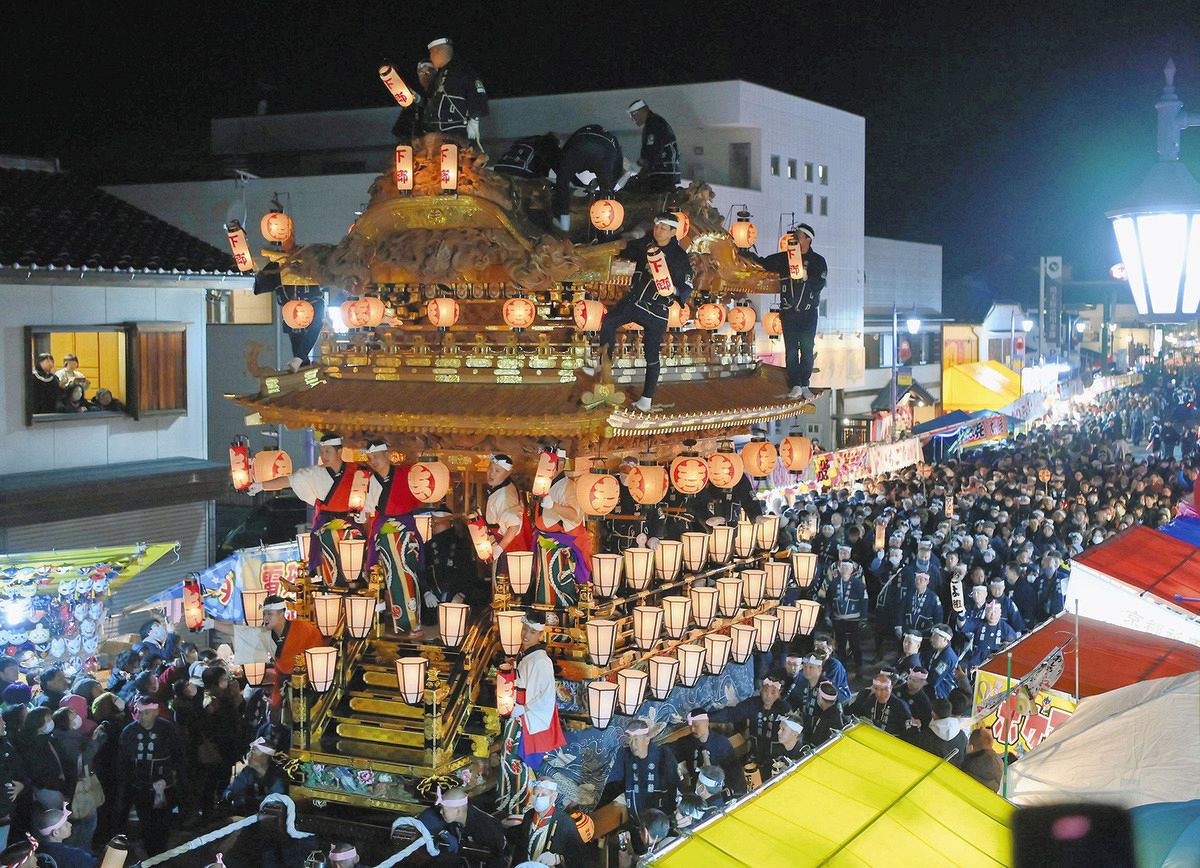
pixel 982 762
pixel 104 401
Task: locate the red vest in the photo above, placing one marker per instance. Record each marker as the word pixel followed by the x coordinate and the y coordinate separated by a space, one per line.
pixel 398 497
pixel 338 499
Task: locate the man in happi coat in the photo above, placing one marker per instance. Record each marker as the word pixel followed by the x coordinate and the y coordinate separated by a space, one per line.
pixel 393 541
pixel 292 638
pixel 505 512
pixel 564 545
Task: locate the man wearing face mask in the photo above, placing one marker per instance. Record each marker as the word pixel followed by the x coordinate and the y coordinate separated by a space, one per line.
pixel 998 592
pixel 1027 589
pixel 889 572
pixel 940 661
pixel 990 636
pixel 703 747
pixel 802 697
pixel 761 715
pixel 832 669
pixel 846 599
pixel 547 834
pixel 153 766
pixel 925 562
pixel 646 774
pixel 920 608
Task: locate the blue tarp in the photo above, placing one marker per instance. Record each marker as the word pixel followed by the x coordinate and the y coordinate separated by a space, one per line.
pixel 954 418
pixel 1185 529
pixel 1167 834
pixel 224 581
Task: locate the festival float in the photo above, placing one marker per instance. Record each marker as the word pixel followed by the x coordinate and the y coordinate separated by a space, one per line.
pixel 472 332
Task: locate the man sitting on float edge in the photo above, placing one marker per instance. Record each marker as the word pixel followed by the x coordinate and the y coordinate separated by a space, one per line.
pixel 649 299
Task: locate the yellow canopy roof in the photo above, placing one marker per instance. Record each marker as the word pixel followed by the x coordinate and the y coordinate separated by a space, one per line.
pixel 979 386
pixel 865 799
pixel 45 570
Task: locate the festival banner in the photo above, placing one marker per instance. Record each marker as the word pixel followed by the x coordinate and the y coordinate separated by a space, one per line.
pixel 1021 713
pixel 890 457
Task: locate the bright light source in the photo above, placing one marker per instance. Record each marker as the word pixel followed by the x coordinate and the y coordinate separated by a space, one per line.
pixel 1119 272
pixel 336 322
pixel 1081 326
pixel 914 325
pixel 1026 325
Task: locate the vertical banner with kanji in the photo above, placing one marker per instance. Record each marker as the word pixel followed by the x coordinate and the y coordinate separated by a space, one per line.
pixel 1019 721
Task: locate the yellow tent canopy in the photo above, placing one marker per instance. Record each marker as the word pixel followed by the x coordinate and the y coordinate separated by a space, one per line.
pixel 44 571
pixel 864 799
pixel 979 386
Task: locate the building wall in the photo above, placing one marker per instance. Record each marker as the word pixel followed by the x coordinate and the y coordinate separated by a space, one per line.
pixel 905 273
pixel 93 441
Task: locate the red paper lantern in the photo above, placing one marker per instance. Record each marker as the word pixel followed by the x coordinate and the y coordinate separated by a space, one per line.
pixel 271 464
pixel 239 246
pixel 442 312
pixel 519 312
pixel 759 456
pixel 648 482
pixel 589 313
pixel 773 324
pixel 743 231
pixel 298 314
pixel 796 452
pixel 607 214
pixel 239 466
pixel 710 316
pixel 598 491
pixel 725 466
pixel 193 604
pixel 684 227
pixel 741 318
pixel 677 315
pixel 365 312
pixel 429 479
pixel 276 227
pixel 689 473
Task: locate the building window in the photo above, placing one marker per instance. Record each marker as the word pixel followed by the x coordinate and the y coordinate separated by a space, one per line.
pixel 808 203
pixel 823 174
pixel 775 165
pixel 824 206
pixel 739 165
pixel 808 172
pixel 792 170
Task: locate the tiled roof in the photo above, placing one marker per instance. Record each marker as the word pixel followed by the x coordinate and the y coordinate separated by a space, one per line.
pixel 51 219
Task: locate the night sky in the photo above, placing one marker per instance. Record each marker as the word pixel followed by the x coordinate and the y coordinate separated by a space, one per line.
pixel 1002 133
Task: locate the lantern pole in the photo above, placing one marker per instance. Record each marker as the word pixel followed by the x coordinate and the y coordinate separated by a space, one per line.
pixel 1008 721
pixel 895 353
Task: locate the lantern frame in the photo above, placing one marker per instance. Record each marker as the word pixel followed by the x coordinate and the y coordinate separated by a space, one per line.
pixel 741 318
pixel 548 466
pixel 677 614
pixel 321 665
pixel 424 523
pixel 743 231
pixel 433 489
pixel 810 612
pixel 410 679
pixel 254 673
pixel 689 472
pixel 602 702
pixel 327 611
pixel 351 552
pixel 520 570
pixel 443 312
pixel 705 314
pixel 193 604
pixel 744 637
pixel 298 314
pixel 695 551
pixel 448 172
pixel 796 452
pixel 716 651
pixel 725 466
pixel 453 621
pixel 663 671
pixel 766 532
pixel 667 559
pixel 705 601
pixel 509 626
pixel 647 482
pixel 402 168
pixel 789 622
pixel 778 574
pixel 745 536
pixel 729 589
pixel 691 663
pixel 588 314
pixel 754 587
pixel 720 545
pixel 601 640
pixel 606 573
pixel 253 599
pixel 759 456
pixel 639 567
pixel 631 690
pixel 772 323
pixel 606 214
pixel 647 626
pixel 598 474
pixel 359 613
pixel 766 631
pixel 520 309
pixel 804 568
pixel 276 227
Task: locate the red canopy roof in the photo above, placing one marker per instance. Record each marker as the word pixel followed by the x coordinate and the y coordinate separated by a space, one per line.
pixel 1110 656
pixel 1150 562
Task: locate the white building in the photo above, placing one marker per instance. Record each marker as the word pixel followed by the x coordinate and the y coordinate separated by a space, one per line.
pixel 786 159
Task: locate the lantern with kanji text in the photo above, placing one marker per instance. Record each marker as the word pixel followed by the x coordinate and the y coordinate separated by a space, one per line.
pixel 741 318
pixel 239 246
pixel 365 312
pixel 772 323
pixel 796 452
pixel 443 312
pixel 710 316
pixel 449 170
pixel 429 479
pixel 519 313
pixel 396 86
pixel 598 491
pixel 743 231
pixel 725 466
pixel 647 482
pixel 689 472
pixel 402 168
pixel 607 214
pixel 759 456
pixel 588 314
pixel 193 603
pixel 276 227
pixel 298 314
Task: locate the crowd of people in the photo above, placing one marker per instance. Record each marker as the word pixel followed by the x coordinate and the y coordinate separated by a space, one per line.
pixel 65 390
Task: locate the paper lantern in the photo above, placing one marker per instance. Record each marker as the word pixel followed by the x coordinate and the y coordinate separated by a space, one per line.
pixel 744 537
pixel 695 551
pixel 254 673
pixel 766 532
pixel 684 227
pixel 442 312
pixel 252 603
pixel 602 702
pixel 662 675
pixel 789 621
pixel 506 689
pixel 716 652
pixel 784 240
pixel 759 456
pixel 795 261
pixel 772 324
pixel 362 313
pixel 720 543
pixel 396 87
pixel 766 630
pixel 741 318
pixel 359 612
pixel 429 479
pixel 810 611
pixel 452 623
pixel 519 313
pixel 656 265
pixel 239 466
pixel 509 624
pixel 449 172
pixel 725 466
pixel 359 485
pixel 276 227
pixel 729 589
pixel 588 314
pixel 520 570
pixel 350 553
pixel 950 506
pixel 647 624
pixel 796 452
pixel 778 573
pixel 607 214
pixel 804 568
pixel 754 587
pixel 691 663
pixel 678 315
pixel 743 231
pixel 481 538
pixel 710 316
pixel 601 639
pixel 744 637
pixel 193 604
pixel 239 246
pixel 957 600
pixel 606 574
pixel 631 690
pixel 402 168
pixel 327 609
pixel 322 666
pixel 271 464
pixel 547 469
pixel 647 482
pixel 704 605
pixel 639 564
pixel 677 615
pixel 298 314
pixel 667 558
pixel 598 491
pixel 410 678
pixel 689 473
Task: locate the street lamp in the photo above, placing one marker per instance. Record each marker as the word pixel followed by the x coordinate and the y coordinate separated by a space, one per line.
pixel 1158 229
pixel 914 325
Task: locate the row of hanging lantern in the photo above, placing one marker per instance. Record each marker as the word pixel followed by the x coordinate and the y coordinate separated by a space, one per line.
pixel 403 174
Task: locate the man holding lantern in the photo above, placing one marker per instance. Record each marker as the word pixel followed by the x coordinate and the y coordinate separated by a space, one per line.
pixel 663 275
pixel 392 538
pixel 802 273
pixel 505 512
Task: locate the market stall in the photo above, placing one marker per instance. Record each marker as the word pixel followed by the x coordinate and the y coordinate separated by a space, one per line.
pixel 979 386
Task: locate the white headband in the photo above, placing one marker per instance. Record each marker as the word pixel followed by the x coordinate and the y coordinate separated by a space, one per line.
pixel 499 461
pixel 674 224
pixel 452 803
pixel 343 856
pixel 881 681
pixel 805 231
pixel 546 785
pixel 638 730
pixel 332 441
pixel 707 783
pixel 773 681
pixel 533 625
pixel 275 607
pixel 812 660
pixel 58 824
pixel 636 105
pixel 793 725
pixel 437 42
pixel 696 718
pixel 377 447
pixel 260 745
pixel 826 694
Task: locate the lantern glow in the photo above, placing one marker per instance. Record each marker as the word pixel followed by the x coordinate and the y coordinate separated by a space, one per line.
pixel 520 570
pixel 509 625
pixel 766 629
pixel 741 318
pixel 359 612
pixel 400 91
pixel 519 312
pixel 656 265
pixel 684 227
pixel 743 231
pixel 778 573
pixel 350 554
pixel 695 551
pixel 789 621
pixel 710 316
pixel 239 246
pixel 744 537
pixel 452 623
pixel 730 590
pixel 689 473
pixel 662 675
pixel 795 259
pixel 716 648
pixel 666 559
pixel 429 479
pixel 725 466
pixel 606 574
pixel 772 324
pixel 402 168
pixel 704 605
pixel 327 608
pixel 804 568
pixel 810 611
pixel 754 587
pixel 691 663
pixel 252 603
pixel 677 315
pixel 322 665
pixel 744 637
pixel 720 543
pixel 677 615
pixel 639 564
pixel 631 690
pixel 647 625
pixel 442 312
pixel 193 604
pixel 239 466
pixel 506 689
pixel 449 170
pixel 410 678
pixel 588 314
pixel 304 543
pixel 607 214
pixel 796 452
pixel 647 482
pixel 363 313
pixel 767 532
pixel 598 491
pixel 254 673
pixel 602 702
pixel 601 639
pixel 759 456
pixel 276 227
pixel 298 314
pixel 424 522
pixel 547 468
pixel 481 538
